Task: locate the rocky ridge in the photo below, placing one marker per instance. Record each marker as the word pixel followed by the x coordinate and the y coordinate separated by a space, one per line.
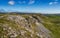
pixel 22 26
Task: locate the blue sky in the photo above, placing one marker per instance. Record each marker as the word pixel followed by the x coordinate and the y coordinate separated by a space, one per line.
pixel 36 6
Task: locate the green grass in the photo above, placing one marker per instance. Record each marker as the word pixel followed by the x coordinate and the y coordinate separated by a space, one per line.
pixel 53 24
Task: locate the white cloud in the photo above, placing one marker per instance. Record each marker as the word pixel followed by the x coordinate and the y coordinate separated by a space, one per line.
pixel 50 3
pixel 11 2
pixel 53 3
pixel 31 2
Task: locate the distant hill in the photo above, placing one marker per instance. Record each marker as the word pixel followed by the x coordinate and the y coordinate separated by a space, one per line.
pixel 2 10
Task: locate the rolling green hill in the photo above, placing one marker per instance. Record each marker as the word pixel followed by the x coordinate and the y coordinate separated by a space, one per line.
pixel 29 26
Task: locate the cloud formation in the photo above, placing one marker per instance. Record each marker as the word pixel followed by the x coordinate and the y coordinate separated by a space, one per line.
pixel 53 3
pixel 50 3
pixel 11 2
pixel 31 2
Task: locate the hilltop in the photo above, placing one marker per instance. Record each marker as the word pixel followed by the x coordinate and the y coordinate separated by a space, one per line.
pixel 29 26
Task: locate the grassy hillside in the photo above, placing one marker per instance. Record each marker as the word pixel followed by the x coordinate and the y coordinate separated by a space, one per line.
pixel 52 22
pixel 29 26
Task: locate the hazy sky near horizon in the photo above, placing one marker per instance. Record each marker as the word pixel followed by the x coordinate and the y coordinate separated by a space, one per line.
pixel 37 6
